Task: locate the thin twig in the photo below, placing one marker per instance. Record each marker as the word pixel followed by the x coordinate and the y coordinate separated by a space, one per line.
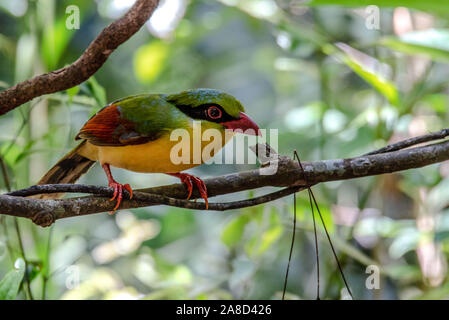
pixel 411 142
pixel 86 65
pixel 332 247
pixel 317 253
pixel 291 247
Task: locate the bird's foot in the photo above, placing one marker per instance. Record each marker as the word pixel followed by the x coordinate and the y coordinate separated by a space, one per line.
pixel 189 180
pixel 118 188
pixel 118 193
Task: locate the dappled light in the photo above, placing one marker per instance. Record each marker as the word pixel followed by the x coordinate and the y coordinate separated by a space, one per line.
pixel 333 80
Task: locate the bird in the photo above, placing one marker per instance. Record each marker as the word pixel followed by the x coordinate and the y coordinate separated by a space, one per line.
pixel 134 133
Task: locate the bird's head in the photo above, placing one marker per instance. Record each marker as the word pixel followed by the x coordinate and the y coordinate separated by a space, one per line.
pixel 214 106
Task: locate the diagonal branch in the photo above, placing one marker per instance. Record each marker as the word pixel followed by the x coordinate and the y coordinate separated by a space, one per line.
pixel 288 175
pixel 412 142
pixel 86 65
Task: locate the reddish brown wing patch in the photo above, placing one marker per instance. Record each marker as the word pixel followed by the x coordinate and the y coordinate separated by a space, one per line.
pixel 108 128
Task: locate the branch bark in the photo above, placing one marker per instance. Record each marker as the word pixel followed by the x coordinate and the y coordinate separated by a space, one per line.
pixel 86 65
pixel 288 174
pixel 392 158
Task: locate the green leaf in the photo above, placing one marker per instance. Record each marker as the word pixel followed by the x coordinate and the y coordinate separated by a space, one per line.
pixel 97 91
pixel 16 152
pixel 12 154
pixel 9 285
pixel 304 213
pixel 441 292
pixel 149 60
pixel 175 224
pixel 26 151
pixel 404 272
pixel 261 243
pixel 369 69
pixel 435 6
pixel 327 218
pixel 269 237
pixel 55 39
pixel 432 43
pixel 233 232
pixel 73 91
pixel 437 102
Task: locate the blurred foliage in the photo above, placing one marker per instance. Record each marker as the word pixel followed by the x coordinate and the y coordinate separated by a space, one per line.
pixel 334 85
pixel 9 286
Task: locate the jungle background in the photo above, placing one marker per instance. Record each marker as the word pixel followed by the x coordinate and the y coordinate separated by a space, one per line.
pixel 336 81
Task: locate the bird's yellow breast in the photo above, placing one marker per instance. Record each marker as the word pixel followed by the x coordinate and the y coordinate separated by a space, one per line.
pixel 162 155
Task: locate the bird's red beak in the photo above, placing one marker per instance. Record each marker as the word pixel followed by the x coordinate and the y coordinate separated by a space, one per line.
pixel 244 123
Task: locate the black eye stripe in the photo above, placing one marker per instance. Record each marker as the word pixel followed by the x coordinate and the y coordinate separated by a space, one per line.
pixel 200 112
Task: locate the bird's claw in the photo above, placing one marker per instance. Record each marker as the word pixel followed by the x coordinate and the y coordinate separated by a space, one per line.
pixel 189 180
pixel 118 193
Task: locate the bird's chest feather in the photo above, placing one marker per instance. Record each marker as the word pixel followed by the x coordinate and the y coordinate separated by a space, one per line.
pixel 161 155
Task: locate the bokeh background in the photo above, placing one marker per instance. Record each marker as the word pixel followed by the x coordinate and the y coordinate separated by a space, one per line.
pixel 336 81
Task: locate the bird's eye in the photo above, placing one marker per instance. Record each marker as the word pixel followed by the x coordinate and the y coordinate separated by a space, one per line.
pixel 214 112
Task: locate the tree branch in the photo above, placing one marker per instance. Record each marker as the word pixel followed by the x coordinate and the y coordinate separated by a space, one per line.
pixel 86 65
pixel 411 142
pixel 288 174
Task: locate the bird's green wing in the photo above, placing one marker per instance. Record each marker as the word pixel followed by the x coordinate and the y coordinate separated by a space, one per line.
pixel 133 120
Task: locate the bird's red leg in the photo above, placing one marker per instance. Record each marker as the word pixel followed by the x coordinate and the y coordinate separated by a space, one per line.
pixel 189 180
pixel 118 188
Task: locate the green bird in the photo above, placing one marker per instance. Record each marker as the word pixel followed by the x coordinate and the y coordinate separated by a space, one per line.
pixel 134 133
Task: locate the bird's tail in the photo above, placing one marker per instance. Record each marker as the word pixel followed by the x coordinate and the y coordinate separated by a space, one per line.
pixel 68 170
